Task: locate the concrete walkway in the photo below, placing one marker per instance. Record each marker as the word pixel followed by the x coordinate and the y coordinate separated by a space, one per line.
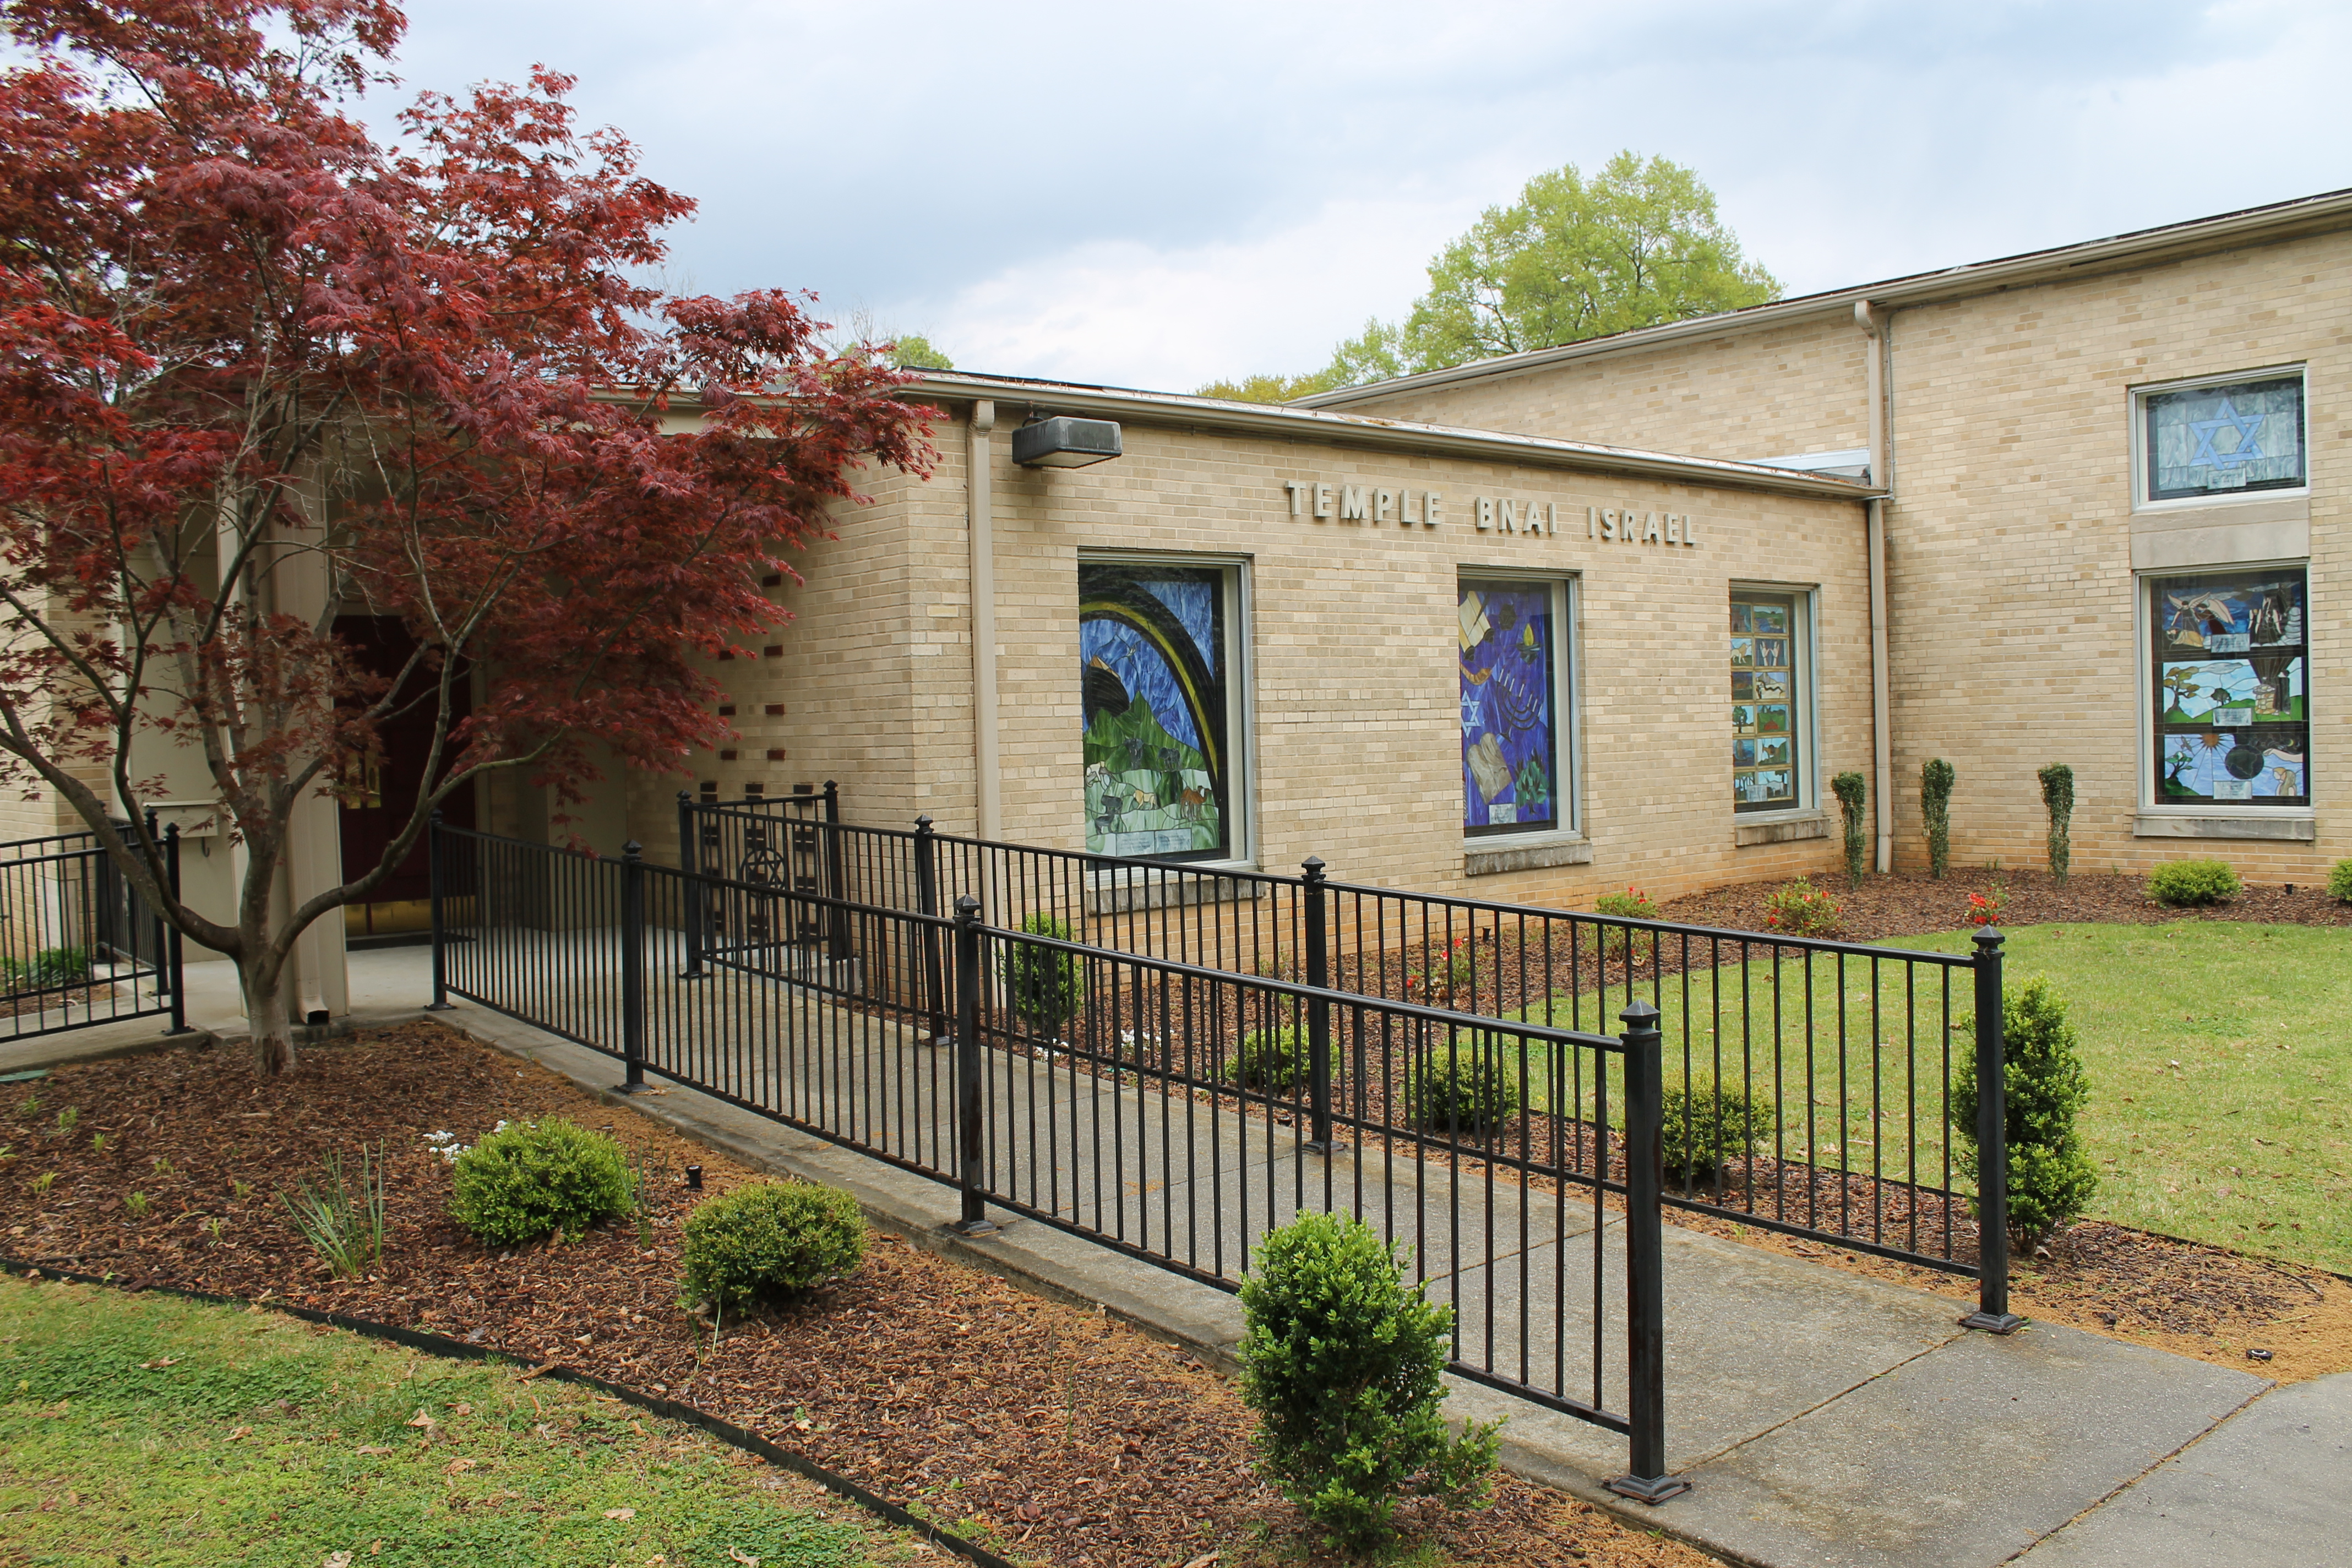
pixel 1822 1419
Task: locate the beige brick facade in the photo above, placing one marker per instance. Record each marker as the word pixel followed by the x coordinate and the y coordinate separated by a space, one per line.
pixel 1352 713
pixel 2013 537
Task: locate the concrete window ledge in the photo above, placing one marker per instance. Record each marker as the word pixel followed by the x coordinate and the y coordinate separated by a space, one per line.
pixel 2302 829
pixel 1786 830
pixel 1126 888
pixel 1527 857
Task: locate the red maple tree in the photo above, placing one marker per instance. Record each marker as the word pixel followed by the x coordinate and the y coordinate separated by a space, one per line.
pixel 258 369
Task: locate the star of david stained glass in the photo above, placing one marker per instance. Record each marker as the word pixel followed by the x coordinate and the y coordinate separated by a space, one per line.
pixel 2222 439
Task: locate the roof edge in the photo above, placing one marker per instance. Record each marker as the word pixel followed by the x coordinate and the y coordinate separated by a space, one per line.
pixel 1289 422
pixel 2277 220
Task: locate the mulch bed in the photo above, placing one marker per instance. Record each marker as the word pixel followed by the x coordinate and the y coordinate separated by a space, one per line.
pixel 1052 1433
pixel 1909 904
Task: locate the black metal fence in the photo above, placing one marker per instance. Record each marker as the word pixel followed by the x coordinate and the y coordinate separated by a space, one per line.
pixel 1807 1082
pixel 1169 1110
pixel 78 946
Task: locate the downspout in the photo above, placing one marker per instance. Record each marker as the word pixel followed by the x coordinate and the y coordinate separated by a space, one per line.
pixel 984 622
pixel 1873 326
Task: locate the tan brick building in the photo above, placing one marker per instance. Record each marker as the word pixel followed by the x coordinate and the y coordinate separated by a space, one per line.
pixel 2115 523
pixel 1434 657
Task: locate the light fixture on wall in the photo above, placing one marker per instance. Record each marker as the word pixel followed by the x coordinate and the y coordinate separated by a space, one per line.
pixel 1061 442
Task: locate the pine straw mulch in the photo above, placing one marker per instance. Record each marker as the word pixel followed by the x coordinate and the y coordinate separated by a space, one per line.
pixel 1907 903
pixel 1049 1432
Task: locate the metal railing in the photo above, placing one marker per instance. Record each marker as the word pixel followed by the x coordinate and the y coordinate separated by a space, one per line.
pixel 1807 1082
pixel 78 944
pixel 1169 1110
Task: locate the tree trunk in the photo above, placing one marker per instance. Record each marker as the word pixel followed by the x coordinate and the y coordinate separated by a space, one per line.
pixel 265 1010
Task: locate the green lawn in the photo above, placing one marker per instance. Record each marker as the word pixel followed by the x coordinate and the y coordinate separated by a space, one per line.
pixel 2220 1064
pixel 2219 1057
pixel 144 1428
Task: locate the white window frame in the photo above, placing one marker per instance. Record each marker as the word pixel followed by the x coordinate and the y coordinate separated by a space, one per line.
pixel 1241 706
pixel 1566 706
pixel 1808 685
pixel 2139 416
pixel 2152 804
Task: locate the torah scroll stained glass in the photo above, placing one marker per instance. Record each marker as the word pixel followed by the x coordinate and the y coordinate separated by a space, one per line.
pixel 2233 708
pixel 1151 654
pixel 1510 767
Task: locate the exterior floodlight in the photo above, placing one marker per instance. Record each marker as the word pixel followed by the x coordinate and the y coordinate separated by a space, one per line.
pixel 1063 443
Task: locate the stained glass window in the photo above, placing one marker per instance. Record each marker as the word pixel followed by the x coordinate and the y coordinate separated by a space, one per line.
pixel 1155 670
pixel 2233 708
pixel 1511 661
pixel 2214 441
pixel 1765 701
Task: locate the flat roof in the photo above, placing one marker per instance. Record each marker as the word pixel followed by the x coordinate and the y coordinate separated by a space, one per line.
pixel 1283 421
pixel 2275 221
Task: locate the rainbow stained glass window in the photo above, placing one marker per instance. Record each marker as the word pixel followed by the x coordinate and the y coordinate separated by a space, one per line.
pixel 1765 702
pixel 2233 706
pixel 1154 672
pixel 1510 659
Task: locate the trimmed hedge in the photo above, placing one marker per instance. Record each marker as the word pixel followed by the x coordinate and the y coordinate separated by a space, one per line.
pixel 769 1239
pixel 2194 882
pixel 530 1179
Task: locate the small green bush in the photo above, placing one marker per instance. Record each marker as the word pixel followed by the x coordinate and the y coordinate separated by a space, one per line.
pixel 530 1179
pixel 1615 942
pixel 1936 780
pixel 767 1240
pixel 2058 795
pixel 2339 882
pixel 1046 985
pixel 50 967
pixel 1800 908
pixel 1852 790
pixel 1706 1127
pixel 2194 882
pixel 1465 1085
pixel 1340 1360
pixel 2051 1178
pixel 1274 1061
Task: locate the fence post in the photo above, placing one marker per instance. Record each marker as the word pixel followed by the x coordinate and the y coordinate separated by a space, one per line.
pixel 836 876
pixel 1993 1313
pixel 698 896
pixel 437 896
pixel 927 901
pixel 162 975
pixel 633 965
pixel 1645 1285
pixel 1318 1012
pixel 173 953
pixel 970 1122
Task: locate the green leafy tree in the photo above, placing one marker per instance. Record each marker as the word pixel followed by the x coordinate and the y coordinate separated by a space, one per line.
pixel 912 350
pixel 1636 245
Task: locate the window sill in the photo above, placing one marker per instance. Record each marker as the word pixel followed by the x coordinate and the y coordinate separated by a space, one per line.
pixel 1779 829
pixel 1121 890
pixel 1493 856
pixel 2304 828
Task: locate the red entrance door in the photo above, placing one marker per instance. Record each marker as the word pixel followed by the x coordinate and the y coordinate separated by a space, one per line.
pixel 402 904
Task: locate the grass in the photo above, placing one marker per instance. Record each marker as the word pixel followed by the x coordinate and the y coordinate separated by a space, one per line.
pixel 197 1435
pixel 2219 1057
pixel 2220 1064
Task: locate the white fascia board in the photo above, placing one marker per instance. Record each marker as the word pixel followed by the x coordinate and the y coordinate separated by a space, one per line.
pixel 1288 422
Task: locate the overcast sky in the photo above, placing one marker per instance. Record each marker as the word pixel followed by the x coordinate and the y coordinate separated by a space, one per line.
pixel 1160 195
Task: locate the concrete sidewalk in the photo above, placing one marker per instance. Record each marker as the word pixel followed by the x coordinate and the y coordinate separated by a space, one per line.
pixel 1822 1419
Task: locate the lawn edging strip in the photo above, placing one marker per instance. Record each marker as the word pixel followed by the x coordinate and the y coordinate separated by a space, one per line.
pixel 667 1409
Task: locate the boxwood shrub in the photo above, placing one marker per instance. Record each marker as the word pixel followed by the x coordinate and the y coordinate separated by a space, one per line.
pixel 1275 1060
pixel 769 1239
pixel 2194 882
pixel 1466 1084
pixel 2339 882
pixel 1706 1125
pixel 531 1179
